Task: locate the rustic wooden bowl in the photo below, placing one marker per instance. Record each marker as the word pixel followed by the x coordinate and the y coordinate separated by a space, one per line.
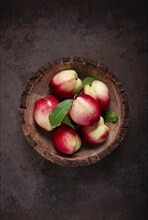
pixel 37 87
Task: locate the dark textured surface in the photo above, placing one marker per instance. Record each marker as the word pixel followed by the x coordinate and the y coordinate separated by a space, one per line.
pixel 35 32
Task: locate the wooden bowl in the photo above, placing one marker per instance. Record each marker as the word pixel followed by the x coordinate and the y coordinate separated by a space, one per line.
pixel 37 87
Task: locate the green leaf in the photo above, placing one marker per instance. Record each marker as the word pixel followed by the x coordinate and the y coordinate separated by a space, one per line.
pixel 87 81
pixel 67 121
pixel 110 116
pixel 59 112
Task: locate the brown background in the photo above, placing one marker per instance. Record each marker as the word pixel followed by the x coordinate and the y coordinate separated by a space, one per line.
pixel 35 32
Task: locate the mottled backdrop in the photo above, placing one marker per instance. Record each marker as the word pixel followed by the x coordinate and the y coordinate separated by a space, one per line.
pixel 35 32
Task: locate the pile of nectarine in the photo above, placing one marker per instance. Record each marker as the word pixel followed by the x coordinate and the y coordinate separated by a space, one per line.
pixel 82 106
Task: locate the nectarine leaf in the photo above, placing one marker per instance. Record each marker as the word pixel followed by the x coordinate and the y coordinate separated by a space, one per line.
pixel 67 121
pixel 87 81
pixel 59 112
pixel 110 116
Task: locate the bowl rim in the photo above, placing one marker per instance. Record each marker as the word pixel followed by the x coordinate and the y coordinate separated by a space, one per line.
pixel 35 77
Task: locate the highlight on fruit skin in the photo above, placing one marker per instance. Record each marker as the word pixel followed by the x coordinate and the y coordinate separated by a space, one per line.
pixel 99 91
pixel 42 109
pixel 65 84
pixel 85 110
pixel 66 140
pixel 97 133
